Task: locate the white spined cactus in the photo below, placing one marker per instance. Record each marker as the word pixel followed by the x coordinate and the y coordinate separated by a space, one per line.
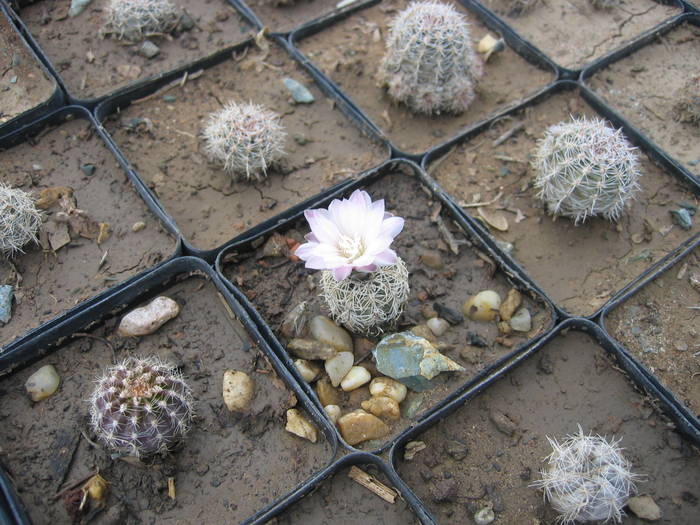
pixel 587 479
pixel 585 168
pixel 430 63
pixel 247 139
pixel 135 20
pixel 19 220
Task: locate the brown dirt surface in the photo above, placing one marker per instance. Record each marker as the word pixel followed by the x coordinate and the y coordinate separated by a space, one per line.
pixel 48 283
pixel 283 18
pixel 660 329
pixel 275 290
pixel 350 52
pixel 339 499
pixel 323 147
pixel 230 465
pixel 92 66
pixel 582 266
pixel 645 86
pixel 23 84
pixel 469 462
pixel 575 33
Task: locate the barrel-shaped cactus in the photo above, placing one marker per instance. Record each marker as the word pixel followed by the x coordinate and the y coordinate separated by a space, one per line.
pixel 430 62
pixel 247 139
pixel 585 168
pixel 135 20
pixel 19 220
pixel 141 407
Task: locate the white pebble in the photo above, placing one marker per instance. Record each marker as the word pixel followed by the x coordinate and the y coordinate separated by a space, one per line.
pixel 385 386
pixel 300 426
pixel 437 325
pixel 521 320
pixel 484 516
pixel 333 412
pixel 482 306
pixel 147 319
pixel 355 378
pixel 327 332
pixel 338 366
pixel 42 383
pixel 307 369
pixel 238 390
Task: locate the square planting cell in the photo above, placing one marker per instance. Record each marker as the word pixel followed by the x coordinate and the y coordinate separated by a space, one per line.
pixel 657 89
pixel 573 34
pixel 350 53
pixel 579 266
pixel 440 283
pixel 162 138
pixel 230 465
pixel 93 65
pixel 659 326
pixel 490 451
pixel 84 197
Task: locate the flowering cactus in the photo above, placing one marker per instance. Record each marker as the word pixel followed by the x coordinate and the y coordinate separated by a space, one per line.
pixel 134 20
pixel 587 479
pixel 246 139
pixel 430 63
pixel 355 234
pixel 19 220
pixel 141 407
pixel 585 168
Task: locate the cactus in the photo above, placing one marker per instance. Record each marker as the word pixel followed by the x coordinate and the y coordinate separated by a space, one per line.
pixel 141 407
pixel 19 220
pixel 246 139
pixel 687 106
pixel 367 303
pixel 587 479
pixel 134 20
pixel 585 168
pixel 430 63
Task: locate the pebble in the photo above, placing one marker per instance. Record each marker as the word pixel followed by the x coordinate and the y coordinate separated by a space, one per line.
pixel 444 490
pixel 683 218
pixel 521 320
pixel 428 312
pixel 437 325
pixel 412 448
pixel 238 390
pixel 186 22
pixel 503 422
pixel 42 383
pixel 432 259
pixel 382 406
pixel 482 306
pixel 147 319
pixel 422 330
pixel 310 349
pixel 456 449
pixel 88 169
pixel 475 339
pixel 327 395
pixel 355 378
pixel 300 94
pixel 300 426
pixel 412 406
pixel 448 314
pixel 333 412
pixel 326 331
pixel 644 507
pixel 385 386
pixel 507 247
pixel 77 7
pixel 338 366
pixel 148 49
pixel 307 369
pixel 6 293
pixel 138 226
pixel 358 426
pixel 296 322
pixel 508 307
pixel 484 516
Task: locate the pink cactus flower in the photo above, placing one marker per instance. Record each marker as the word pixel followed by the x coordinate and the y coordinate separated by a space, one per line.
pixel 352 234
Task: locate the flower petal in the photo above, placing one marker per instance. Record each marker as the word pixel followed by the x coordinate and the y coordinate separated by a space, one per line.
pixel 322 226
pixel 342 272
pixel 392 226
pixel 386 258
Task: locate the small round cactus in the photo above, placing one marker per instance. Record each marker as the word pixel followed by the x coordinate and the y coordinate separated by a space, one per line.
pixel 587 479
pixel 19 220
pixel 141 407
pixel 585 168
pixel 687 106
pixel 246 139
pixel 430 63
pixel 134 20
pixel 366 303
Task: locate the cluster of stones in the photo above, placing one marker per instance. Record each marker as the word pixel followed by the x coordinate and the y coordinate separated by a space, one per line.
pixel 509 314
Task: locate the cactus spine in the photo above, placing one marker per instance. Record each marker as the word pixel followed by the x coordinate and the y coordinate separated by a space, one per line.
pixel 135 20
pixel 19 220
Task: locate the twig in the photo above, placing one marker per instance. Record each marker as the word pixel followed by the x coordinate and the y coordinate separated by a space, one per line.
pixel 171 488
pixel 101 340
pixel 508 134
pixel 175 83
pixel 447 235
pixel 463 204
pixel 82 433
pixel 380 489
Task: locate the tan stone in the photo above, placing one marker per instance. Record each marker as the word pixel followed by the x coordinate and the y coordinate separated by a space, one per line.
pixel 382 406
pixel 359 426
pixel 327 395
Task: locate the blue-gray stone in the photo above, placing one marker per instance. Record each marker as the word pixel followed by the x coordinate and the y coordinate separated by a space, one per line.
pixel 88 169
pixel 683 218
pixel 412 360
pixel 300 94
pixel 5 303
pixel 77 7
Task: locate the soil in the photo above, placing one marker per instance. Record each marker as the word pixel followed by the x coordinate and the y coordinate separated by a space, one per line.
pixel 470 463
pixel 659 327
pixel 341 500
pixel 645 86
pixel 230 466
pixel 579 267
pixel 323 147
pixel 23 84
pixel 49 282
pixel 350 52
pixel 285 18
pixel 276 288
pixel 575 33
pixel 92 66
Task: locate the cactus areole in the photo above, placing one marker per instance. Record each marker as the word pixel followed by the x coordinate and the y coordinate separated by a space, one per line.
pixel 141 407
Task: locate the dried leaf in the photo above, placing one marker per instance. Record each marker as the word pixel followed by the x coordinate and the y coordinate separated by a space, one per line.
pixel 50 196
pixel 494 219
